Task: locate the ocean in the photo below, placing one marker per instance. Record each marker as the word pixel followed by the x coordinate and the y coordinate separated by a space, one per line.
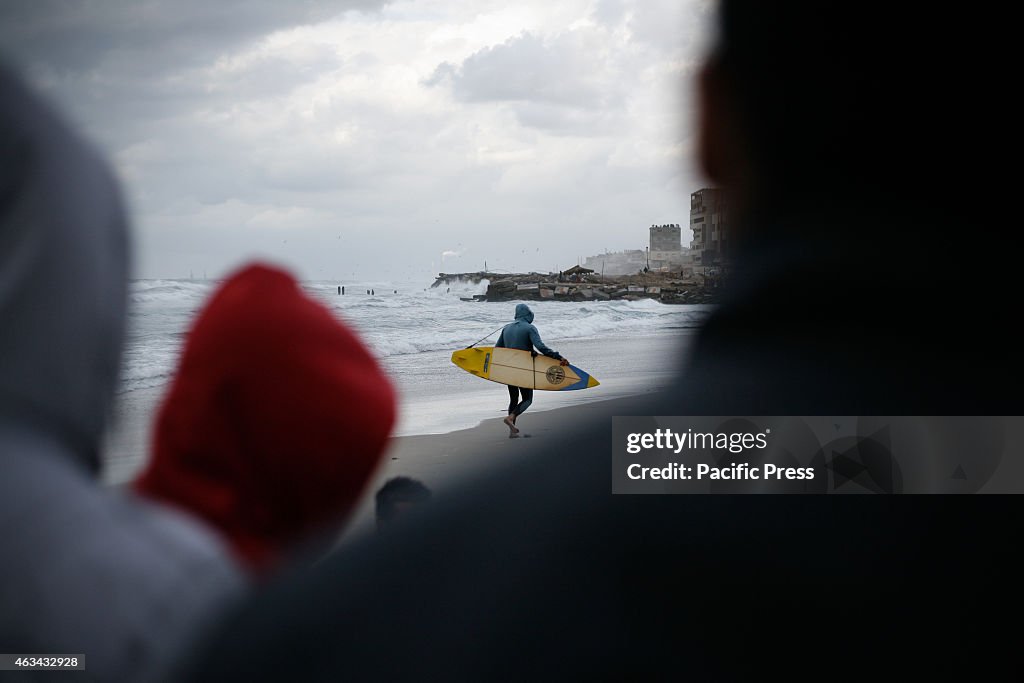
pixel 412 329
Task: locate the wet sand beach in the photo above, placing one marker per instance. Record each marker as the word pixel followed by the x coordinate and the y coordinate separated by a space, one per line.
pixel 444 461
pixel 466 411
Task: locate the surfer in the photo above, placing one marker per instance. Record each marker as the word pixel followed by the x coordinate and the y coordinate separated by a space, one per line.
pixel 522 334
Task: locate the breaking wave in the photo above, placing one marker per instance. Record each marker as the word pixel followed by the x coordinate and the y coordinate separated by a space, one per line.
pixel 396 319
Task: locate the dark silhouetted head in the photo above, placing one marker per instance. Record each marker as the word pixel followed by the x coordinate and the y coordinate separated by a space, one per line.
pixel 844 105
pixel 396 497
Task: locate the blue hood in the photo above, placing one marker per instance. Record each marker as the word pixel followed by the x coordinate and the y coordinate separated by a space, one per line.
pixel 523 335
pixel 523 312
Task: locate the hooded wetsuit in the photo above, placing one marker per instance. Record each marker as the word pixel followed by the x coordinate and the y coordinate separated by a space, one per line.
pixel 522 335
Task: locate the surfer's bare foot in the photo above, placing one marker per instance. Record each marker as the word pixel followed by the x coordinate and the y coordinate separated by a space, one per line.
pixel 513 430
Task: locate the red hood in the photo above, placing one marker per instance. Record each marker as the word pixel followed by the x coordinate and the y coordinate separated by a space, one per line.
pixel 275 421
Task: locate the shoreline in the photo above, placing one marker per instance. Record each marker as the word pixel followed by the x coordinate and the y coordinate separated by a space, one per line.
pixel 667 287
pixel 452 430
pixel 441 461
pixel 455 400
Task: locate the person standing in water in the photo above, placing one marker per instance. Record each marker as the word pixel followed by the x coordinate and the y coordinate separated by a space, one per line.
pixel 522 334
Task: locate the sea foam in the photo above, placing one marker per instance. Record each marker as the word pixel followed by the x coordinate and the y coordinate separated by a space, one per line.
pixel 414 320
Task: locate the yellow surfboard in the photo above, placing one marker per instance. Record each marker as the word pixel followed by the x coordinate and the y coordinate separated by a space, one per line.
pixel 521 369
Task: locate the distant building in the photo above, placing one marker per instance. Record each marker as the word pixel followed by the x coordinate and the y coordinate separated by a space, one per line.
pixel 709 223
pixel 666 251
pixel 666 237
pixel 618 262
pixel 578 270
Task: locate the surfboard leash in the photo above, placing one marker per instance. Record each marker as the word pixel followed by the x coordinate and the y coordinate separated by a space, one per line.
pixel 480 340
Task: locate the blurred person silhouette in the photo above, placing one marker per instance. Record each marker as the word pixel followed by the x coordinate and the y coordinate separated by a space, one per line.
pixel 859 163
pixel 275 421
pixel 396 497
pixel 84 569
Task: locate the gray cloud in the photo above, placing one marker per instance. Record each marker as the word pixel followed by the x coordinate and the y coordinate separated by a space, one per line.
pixel 610 12
pixel 78 36
pixel 683 28
pixel 527 68
pixel 568 84
pixel 364 136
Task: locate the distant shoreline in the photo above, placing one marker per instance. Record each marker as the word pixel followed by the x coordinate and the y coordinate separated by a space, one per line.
pixel 667 288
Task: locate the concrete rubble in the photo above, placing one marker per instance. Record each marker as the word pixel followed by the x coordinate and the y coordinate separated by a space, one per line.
pixel 664 287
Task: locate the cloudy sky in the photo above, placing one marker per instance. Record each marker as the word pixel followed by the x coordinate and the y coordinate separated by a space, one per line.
pixel 375 139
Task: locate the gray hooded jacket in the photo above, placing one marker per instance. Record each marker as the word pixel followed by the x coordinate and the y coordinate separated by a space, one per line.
pixel 83 569
pixel 523 335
